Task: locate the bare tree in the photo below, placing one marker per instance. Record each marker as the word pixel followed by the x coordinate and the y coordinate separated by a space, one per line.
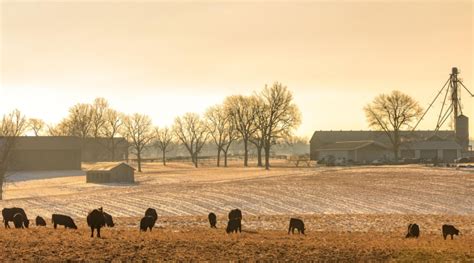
pixel 12 126
pixel 36 125
pixel 260 122
pixel 59 129
pixel 282 115
pixel 164 140
pixel 242 110
pixel 112 127
pixel 79 121
pixel 139 132
pixel 219 125
pixel 192 132
pixel 230 136
pixel 98 116
pixel 392 113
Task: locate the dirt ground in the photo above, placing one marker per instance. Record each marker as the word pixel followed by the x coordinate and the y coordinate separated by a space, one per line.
pixel 374 238
pixel 351 214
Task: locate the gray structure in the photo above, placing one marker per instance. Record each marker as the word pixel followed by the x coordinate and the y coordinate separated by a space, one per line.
pixel 368 146
pixel 46 153
pixel 104 149
pixel 63 152
pixel 111 173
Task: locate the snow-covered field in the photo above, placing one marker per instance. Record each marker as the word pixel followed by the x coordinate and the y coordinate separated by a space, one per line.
pixel 180 190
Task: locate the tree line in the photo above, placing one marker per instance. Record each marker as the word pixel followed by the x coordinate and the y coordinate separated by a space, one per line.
pixel 261 119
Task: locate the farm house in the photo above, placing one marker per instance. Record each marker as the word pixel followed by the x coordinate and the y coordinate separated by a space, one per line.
pixel 111 173
pixel 368 146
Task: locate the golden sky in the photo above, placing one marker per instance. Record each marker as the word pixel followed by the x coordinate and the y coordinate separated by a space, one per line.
pixel 167 58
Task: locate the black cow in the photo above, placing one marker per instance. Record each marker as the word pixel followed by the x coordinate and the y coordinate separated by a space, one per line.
pixel 235 214
pixel 233 225
pixel 449 230
pixel 147 222
pixel 152 212
pixel 413 231
pixel 212 220
pixel 40 221
pixel 18 220
pixel 8 214
pixel 296 223
pixel 108 220
pixel 96 220
pixel 63 220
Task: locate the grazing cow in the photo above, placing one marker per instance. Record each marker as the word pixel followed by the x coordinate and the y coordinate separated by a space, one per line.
pixel 212 220
pixel 235 214
pixel 449 230
pixel 40 221
pixel 96 220
pixel 8 214
pixel 147 222
pixel 296 223
pixel 233 225
pixel 63 220
pixel 413 231
pixel 18 220
pixel 108 220
pixel 151 212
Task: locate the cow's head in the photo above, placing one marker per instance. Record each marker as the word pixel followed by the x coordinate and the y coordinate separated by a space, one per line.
pixel 26 223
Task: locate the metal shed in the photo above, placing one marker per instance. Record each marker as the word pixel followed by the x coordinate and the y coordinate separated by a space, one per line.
pixel 111 173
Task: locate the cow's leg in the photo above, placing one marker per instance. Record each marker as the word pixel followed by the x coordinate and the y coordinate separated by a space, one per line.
pixel 6 224
pixel 55 225
pixel 98 232
pixel 92 231
pixel 289 230
pixel 452 236
pixel 444 236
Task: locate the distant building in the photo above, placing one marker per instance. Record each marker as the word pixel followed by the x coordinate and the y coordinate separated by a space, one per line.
pixel 111 173
pixel 64 152
pixel 104 149
pixel 368 146
pixel 46 153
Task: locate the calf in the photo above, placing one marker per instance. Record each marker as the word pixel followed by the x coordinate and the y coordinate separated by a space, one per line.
pixel 233 225
pixel 147 222
pixel 8 214
pixel 96 220
pixel 63 220
pixel 40 221
pixel 413 231
pixel 18 220
pixel 296 223
pixel 449 230
pixel 212 220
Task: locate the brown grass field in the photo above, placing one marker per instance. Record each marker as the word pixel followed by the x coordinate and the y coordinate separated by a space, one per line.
pixel 351 214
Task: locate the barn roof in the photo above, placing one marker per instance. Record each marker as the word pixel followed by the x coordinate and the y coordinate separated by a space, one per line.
pixel 349 145
pixel 102 167
pixel 432 145
pixel 47 143
pixel 326 137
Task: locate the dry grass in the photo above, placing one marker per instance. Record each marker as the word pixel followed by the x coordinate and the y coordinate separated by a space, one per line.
pixel 351 214
pixel 172 240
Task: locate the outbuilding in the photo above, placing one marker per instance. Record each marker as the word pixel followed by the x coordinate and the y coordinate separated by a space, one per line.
pixel 111 173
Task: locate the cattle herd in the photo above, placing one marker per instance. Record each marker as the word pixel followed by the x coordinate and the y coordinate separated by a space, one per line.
pixel 97 218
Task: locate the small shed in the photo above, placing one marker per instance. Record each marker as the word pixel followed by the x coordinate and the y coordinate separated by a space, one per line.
pixel 111 173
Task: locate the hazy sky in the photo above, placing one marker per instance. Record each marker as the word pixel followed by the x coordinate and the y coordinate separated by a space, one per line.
pixel 168 58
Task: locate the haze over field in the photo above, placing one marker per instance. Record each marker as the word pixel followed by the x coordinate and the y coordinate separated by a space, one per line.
pixel 165 58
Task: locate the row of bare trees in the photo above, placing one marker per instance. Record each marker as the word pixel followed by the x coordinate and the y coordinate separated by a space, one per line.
pixel 260 119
